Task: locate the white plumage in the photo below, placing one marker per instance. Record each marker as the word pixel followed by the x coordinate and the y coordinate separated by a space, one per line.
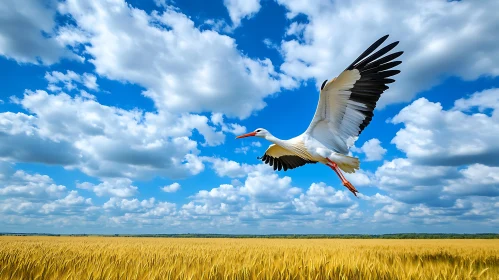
pixel 345 108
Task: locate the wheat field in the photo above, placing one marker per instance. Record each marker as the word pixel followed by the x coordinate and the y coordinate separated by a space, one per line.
pixel 209 258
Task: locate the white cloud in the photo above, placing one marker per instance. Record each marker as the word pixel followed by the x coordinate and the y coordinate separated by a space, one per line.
pixel 239 9
pixel 171 188
pixel 266 200
pixel 226 193
pixel 360 178
pixel 21 37
pixel 263 184
pixel 69 35
pixel 70 204
pixel 410 182
pixel 56 78
pixel 428 32
pixel 256 144
pixel 483 100
pixel 372 149
pixel 219 25
pixel 320 196
pixel 242 150
pixel 295 29
pixel 19 128
pixel 90 81
pixel 118 187
pixel 156 51
pixel 189 122
pixel 19 184
pixel 476 179
pixel 245 149
pixel 229 168
pixel 139 213
pixel 270 44
pixel 27 197
pixel 234 128
pixel 377 198
pixel 129 205
pixel 471 210
pixel 434 136
pixel 264 203
pixel 102 141
pixel 445 174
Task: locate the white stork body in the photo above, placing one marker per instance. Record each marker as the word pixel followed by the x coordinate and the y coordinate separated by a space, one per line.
pixel 345 108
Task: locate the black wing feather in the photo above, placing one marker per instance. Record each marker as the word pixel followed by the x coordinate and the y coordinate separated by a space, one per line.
pixel 376 55
pixel 285 162
pixel 374 71
pixel 369 50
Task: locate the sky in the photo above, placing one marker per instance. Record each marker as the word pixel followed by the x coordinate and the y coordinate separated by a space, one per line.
pixel 121 117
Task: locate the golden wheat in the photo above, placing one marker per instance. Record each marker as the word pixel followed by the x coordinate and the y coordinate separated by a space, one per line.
pixel 175 258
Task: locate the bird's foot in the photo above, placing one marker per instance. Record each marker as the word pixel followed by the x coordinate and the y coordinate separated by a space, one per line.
pixel 350 187
pixel 345 182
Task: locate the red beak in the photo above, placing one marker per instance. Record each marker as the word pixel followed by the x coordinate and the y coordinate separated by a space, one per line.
pixel 246 135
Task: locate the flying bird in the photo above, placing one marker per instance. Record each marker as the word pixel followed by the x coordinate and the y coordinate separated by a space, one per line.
pixel 346 105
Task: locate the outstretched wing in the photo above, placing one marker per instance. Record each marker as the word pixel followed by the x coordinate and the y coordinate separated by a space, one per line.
pixel 281 158
pixel 346 103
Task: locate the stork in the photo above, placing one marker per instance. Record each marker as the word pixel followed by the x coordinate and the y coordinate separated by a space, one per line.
pixel 345 108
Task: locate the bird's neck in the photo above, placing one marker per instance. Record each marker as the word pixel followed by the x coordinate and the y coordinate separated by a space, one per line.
pixel 275 140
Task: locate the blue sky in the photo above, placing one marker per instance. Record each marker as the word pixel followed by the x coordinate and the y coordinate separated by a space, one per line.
pixel 120 117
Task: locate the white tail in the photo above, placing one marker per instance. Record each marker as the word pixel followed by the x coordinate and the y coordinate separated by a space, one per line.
pixel 346 163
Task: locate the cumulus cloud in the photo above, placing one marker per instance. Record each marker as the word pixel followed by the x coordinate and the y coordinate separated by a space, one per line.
pixel 360 178
pixel 483 100
pixel 100 140
pixel 428 32
pixel 476 210
pixel 256 144
pixel 118 187
pixel 320 196
pixel 218 120
pixel 24 23
pixel 263 203
pixel 21 141
pixel 244 149
pixel 435 136
pixel 266 200
pixel 18 183
pixel 450 164
pixel 239 9
pixel 476 179
pixel 372 149
pixel 55 78
pixel 228 168
pixel 171 188
pixel 264 184
pixel 31 197
pixel 70 204
pixel 409 182
pixel 129 205
pixel 155 51
pixel 72 36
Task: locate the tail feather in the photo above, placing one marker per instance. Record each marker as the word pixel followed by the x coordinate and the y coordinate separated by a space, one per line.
pixel 348 164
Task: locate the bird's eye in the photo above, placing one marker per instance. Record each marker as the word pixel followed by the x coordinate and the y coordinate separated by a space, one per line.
pixel 258 130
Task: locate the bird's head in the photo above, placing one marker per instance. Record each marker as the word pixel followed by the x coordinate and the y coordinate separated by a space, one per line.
pixel 259 132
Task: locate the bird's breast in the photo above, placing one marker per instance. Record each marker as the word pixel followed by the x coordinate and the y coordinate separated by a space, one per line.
pixel 316 149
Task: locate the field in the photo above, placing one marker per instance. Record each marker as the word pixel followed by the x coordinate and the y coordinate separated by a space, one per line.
pixel 209 258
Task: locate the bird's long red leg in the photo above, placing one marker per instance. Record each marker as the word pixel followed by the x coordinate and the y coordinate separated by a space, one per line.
pixel 345 182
